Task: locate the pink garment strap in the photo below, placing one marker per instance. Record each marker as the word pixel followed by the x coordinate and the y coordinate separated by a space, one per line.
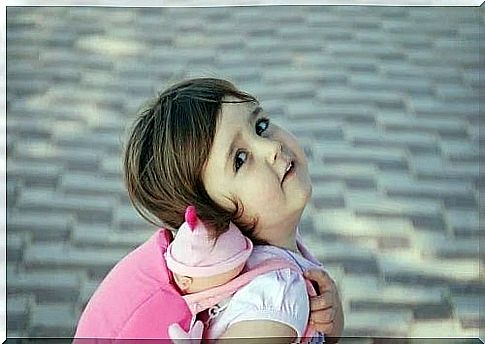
pixel 198 302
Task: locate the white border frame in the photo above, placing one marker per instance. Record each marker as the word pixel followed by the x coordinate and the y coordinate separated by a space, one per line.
pixel 140 3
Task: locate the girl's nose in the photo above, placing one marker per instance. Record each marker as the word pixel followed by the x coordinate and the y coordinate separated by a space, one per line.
pixel 277 148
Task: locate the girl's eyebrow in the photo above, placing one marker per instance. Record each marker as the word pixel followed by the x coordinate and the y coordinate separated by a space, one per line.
pixel 252 116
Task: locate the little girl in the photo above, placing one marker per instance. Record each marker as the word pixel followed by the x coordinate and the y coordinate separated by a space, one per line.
pixel 205 143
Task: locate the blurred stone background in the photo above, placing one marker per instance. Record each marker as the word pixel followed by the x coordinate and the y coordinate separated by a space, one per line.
pixel 385 101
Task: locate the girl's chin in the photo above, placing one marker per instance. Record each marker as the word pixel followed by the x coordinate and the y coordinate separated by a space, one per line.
pixel 300 201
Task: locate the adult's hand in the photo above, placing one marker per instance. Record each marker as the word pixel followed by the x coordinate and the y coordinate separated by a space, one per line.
pixel 326 313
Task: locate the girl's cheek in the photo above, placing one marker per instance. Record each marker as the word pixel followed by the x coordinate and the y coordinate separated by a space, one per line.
pixel 264 192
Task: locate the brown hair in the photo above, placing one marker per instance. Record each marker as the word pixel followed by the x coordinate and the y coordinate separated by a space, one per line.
pixel 166 151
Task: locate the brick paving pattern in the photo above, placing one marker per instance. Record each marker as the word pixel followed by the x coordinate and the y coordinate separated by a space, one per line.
pixel 384 100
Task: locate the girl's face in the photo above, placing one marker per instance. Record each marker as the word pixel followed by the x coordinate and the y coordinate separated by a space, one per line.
pixel 263 166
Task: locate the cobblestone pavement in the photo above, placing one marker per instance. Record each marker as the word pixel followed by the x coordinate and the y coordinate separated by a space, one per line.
pixel 384 100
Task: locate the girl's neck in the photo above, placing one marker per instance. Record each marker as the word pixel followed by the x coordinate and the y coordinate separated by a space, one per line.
pixel 293 248
pixel 283 234
pixel 289 243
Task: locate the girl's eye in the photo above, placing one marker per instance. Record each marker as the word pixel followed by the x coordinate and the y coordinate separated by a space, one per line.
pixel 240 159
pixel 261 125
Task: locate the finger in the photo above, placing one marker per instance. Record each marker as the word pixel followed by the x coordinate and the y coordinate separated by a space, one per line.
pixel 324 316
pixel 326 328
pixel 321 277
pixel 322 301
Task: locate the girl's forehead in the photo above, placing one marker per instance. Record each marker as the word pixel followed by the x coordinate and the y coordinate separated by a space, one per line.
pixel 232 106
pixel 234 115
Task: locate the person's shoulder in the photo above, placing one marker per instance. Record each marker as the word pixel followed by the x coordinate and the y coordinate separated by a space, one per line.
pixel 278 295
pixel 281 283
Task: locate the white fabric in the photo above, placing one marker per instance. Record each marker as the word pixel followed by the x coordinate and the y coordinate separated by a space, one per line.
pixel 278 296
